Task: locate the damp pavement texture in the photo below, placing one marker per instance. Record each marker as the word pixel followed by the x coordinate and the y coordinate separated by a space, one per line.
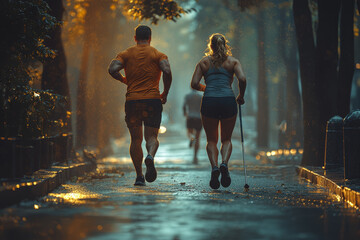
pixel 105 205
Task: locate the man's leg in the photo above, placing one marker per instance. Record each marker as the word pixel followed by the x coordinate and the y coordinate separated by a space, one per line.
pixel 197 130
pixel 152 145
pixel 197 144
pixel 136 152
pixel 151 138
pixel 190 132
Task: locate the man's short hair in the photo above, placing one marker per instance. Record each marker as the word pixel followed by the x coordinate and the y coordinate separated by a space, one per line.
pixel 142 32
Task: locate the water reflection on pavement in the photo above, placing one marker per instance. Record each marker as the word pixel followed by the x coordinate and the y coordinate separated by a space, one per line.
pixel 180 204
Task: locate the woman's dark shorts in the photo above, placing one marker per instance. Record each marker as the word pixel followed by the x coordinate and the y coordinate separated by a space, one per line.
pixel 194 123
pixel 145 110
pixel 219 107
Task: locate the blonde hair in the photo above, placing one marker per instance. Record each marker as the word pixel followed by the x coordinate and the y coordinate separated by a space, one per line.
pixel 218 49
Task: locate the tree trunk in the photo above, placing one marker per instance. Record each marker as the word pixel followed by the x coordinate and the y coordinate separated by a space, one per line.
pixel 306 47
pixel 281 110
pixel 294 135
pixel 281 105
pixel 82 103
pixel 293 101
pixel 81 122
pixel 54 70
pixel 98 94
pixel 346 63
pixel 263 108
pixel 355 103
pixel 327 63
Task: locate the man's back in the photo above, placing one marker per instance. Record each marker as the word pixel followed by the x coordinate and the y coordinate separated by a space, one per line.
pixel 141 64
pixel 193 104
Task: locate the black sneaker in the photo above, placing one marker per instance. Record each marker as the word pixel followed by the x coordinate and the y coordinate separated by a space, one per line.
pixel 214 181
pixel 151 173
pixel 140 181
pixel 225 175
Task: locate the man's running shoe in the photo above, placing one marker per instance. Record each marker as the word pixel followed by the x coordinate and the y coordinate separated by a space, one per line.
pixel 140 181
pixel 225 175
pixel 151 173
pixel 214 181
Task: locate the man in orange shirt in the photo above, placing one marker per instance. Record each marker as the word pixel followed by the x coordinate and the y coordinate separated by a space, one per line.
pixel 143 66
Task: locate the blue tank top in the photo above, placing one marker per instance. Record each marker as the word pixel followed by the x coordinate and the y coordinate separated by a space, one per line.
pixel 218 83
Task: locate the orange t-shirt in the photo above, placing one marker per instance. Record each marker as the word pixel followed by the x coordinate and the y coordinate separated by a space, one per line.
pixel 142 71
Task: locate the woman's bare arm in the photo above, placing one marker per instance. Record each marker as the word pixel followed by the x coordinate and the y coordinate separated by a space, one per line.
pixel 196 78
pixel 240 75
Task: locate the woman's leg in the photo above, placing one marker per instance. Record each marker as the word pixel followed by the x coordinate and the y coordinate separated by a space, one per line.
pixel 211 126
pixel 227 126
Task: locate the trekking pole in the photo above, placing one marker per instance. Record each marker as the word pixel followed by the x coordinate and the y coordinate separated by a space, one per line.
pixel 246 186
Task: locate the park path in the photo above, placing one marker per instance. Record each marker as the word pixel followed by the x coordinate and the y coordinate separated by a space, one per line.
pixel 105 205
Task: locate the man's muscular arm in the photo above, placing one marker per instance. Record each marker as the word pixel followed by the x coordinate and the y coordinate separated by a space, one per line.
pixel 167 79
pixel 114 71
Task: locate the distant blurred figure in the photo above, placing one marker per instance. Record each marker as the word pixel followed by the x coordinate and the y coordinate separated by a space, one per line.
pixel 191 108
pixel 219 104
pixel 143 66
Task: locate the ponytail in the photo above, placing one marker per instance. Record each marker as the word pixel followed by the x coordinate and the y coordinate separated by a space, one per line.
pixel 218 49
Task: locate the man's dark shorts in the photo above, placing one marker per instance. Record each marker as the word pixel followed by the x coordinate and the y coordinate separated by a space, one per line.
pixel 194 123
pixel 144 110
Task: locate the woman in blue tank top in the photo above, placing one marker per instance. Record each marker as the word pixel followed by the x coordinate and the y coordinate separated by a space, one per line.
pixel 218 105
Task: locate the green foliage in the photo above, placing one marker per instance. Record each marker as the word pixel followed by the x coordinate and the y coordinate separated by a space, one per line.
pixel 153 10
pixel 25 112
pixel 26 24
pixel 29 113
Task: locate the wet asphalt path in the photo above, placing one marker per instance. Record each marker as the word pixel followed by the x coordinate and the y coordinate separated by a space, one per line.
pixel 180 204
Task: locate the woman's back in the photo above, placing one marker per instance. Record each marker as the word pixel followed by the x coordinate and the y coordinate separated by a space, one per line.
pixel 218 106
pixel 228 64
pixel 218 80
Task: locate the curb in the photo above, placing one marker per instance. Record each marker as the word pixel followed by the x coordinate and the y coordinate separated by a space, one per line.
pixel 41 182
pixel 346 194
